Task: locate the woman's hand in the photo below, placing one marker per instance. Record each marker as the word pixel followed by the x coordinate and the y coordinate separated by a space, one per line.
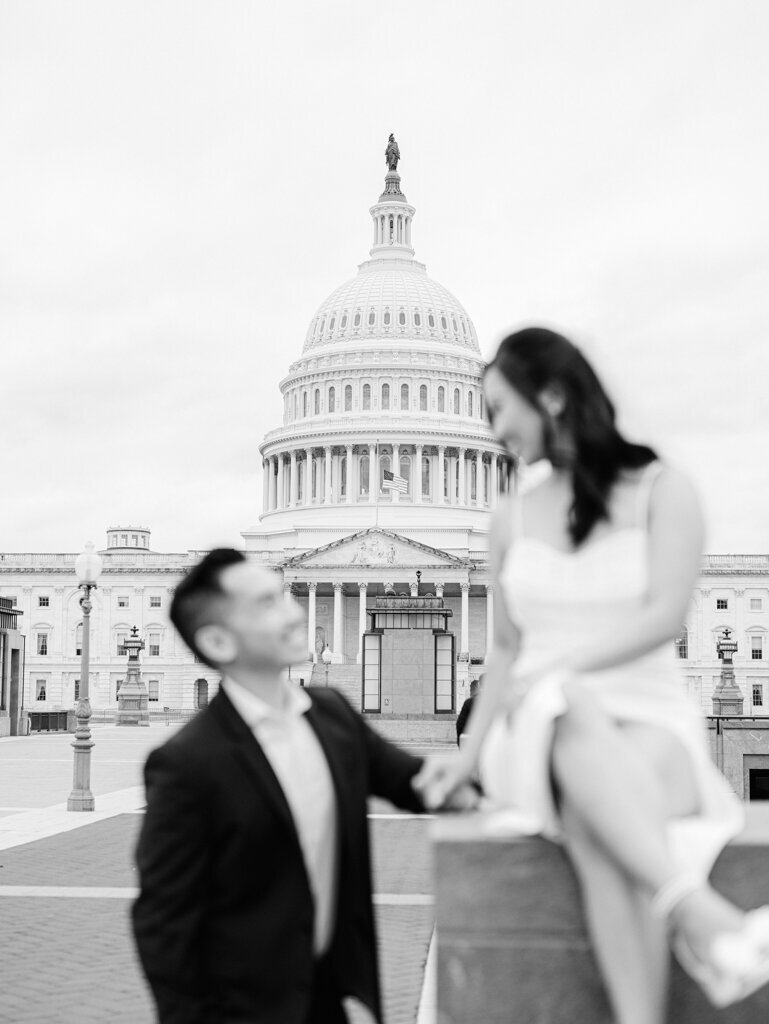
pixel 442 778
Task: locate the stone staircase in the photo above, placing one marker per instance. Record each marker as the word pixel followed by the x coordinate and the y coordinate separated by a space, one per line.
pixel 345 678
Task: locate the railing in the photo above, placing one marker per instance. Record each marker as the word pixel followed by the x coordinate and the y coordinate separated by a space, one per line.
pixel 734 563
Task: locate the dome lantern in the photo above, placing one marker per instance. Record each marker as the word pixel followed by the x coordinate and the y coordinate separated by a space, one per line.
pixel 393 214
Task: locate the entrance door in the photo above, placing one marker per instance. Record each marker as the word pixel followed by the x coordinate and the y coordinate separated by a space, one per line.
pixel 444 672
pixel 201 693
pixel 759 783
pixel 372 672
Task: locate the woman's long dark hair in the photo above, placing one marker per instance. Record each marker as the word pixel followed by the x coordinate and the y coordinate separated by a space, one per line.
pixel 535 359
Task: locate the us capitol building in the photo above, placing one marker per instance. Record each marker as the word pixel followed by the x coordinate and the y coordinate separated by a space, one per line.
pixel 378 488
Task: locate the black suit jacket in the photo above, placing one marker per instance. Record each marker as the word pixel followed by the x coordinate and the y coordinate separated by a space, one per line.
pixel 224 919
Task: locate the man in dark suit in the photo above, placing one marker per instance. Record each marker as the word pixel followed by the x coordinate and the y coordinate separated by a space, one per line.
pixel 467 708
pixel 255 900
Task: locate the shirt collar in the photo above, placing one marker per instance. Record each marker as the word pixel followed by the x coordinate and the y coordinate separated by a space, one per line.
pixel 254 711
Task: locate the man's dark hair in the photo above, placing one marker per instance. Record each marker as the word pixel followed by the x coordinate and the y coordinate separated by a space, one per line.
pixel 197 592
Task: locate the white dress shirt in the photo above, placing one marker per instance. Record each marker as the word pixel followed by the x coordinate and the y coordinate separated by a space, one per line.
pixel 297 758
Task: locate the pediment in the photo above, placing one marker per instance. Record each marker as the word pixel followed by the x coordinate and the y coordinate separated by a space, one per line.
pixel 373 548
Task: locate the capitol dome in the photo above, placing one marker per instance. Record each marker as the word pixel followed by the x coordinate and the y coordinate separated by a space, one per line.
pixel 383 411
pixel 391 296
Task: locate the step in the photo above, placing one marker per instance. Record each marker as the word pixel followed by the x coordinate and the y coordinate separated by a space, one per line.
pixel 511 942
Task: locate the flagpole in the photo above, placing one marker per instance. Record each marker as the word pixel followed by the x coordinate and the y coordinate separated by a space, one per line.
pixel 375 477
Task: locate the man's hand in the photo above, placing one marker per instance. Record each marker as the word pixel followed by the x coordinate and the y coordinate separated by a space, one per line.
pixel 443 780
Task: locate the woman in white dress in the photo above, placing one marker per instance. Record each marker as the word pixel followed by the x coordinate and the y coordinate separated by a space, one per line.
pixel 584 725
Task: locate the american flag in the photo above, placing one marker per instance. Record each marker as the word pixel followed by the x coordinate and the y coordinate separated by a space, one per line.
pixel 399 483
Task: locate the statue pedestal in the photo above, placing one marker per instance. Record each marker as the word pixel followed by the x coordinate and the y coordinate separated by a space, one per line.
pixel 132 701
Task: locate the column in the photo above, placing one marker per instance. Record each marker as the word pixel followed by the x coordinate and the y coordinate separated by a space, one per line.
pixel 338 620
pixel 373 474
pixel 361 618
pixel 273 484
pixel 439 590
pixel 413 587
pixel 493 481
pixel 464 641
pixel 265 485
pixel 311 587
pixel 308 476
pixel 396 464
pixel 351 481
pixel 462 469
pixel 480 494
pixel 294 482
pixel 439 474
pixel 417 476
pixel 287 591
pixel 489 618
pixel 281 483
pixel 327 481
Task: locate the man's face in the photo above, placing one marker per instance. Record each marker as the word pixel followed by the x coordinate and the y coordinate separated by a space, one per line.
pixel 260 629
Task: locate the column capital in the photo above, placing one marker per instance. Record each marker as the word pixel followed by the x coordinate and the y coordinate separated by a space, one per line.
pixel 362 586
pixel 464 586
pixel 489 588
pixel 312 587
pixel 337 585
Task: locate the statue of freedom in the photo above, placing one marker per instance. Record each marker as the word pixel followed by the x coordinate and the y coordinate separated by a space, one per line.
pixel 392 154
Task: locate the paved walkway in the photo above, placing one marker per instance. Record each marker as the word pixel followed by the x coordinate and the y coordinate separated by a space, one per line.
pixel 67 881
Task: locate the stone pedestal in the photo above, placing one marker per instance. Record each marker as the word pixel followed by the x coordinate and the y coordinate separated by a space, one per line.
pixel 512 945
pixel 132 698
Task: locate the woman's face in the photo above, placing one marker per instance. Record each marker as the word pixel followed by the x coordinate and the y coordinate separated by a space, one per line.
pixel 516 422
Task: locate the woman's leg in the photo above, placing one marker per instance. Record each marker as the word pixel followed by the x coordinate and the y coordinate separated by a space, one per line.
pixel 631 948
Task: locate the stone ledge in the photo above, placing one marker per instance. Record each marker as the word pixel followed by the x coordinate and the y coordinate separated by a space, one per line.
pixel 512 946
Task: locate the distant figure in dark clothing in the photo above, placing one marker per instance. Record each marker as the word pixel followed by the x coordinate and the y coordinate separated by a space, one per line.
pixel 466 710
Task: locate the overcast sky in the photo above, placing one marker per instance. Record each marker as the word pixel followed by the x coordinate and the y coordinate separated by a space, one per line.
pixel 183 183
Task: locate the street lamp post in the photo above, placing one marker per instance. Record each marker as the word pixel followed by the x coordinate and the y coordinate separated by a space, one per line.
pixel 87 569
pixel 326 658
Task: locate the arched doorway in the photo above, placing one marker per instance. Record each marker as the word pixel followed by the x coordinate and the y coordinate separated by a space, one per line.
pixel 201 693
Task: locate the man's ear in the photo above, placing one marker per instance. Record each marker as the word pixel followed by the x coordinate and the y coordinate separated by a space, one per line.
pixel 217 643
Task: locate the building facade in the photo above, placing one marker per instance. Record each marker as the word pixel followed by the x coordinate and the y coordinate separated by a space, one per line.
pixel 378 486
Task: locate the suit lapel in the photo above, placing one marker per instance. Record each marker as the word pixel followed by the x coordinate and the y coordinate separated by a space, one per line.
pixel 248 751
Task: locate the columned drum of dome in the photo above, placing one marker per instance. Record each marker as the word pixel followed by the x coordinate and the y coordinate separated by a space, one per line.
pixel 385 443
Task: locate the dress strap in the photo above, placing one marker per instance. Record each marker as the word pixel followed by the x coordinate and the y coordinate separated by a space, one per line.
pixel 644 492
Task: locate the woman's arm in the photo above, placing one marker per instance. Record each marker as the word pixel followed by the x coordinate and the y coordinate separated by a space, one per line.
pixel 676 537
pixel 438 779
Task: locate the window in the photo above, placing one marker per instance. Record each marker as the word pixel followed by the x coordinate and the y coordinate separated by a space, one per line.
pixel 756 604
pixel 331 399
pixel 304 404
pixel 758 695
pixel 118 684
pixel 134 540
pixel 423 397
pixel 454 324
pixel 40 689
pixel 426 476
pixel 124 540
pixel 356 320
pixel 42 644
pixel 343 476
pixel 444 324
pixel 348 398
pixel 384 467
pixel 722 604
pixel 385 396
pixel 316 401
pixel 371 318
pixel 155 601
pixel 79 638
pixel 366 396
pixel 682 645
pixel 441 399
pixel 122 602
pixel 756 647
pixel 404 396
pixel 431 320
pixel 405 471
pixel 12 600
pixel 480 406
pixel 322 325
pixel 363 473
pixel 387 318
pixel 456 401
pixel 153 690
pixel 154 645
pixel 331 325
pixel 402 318
pixel 43 602
pixel 77 689
pixel 469 403
pixel 473 480
pixel 344 322
pixel 120 646
pixel 417 320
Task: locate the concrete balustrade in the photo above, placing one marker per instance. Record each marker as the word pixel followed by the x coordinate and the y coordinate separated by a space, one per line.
pixel 511 941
